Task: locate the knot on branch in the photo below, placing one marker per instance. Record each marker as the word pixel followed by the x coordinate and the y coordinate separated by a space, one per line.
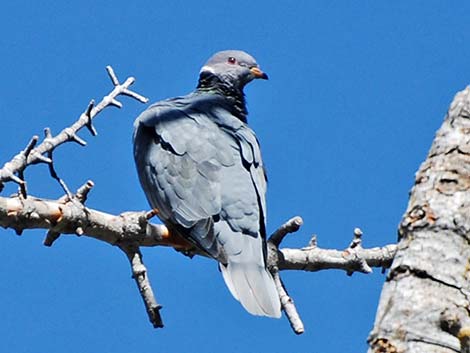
pixel 134 223
pixel 456 321
pixel 77 208
pixel 353 254
pixel 418 216
pixel 382 345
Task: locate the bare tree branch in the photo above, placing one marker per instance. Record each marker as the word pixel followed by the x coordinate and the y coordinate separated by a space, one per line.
pixel 139 273
pixel 291 226
pixel 131 230
pixel 65 216
pixel 353 259
pixel 287 303
pixel 288 306
pixel 315 259
pixel 32 154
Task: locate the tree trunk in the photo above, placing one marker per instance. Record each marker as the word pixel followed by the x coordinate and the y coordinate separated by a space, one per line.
pixel 424 305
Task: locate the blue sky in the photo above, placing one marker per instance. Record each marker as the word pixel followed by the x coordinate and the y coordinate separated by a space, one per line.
pixel 355 95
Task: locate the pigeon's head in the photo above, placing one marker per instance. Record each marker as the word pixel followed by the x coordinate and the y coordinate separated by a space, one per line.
pixel 232 67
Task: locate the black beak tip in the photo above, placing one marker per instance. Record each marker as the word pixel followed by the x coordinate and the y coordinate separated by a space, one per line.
pixel 264 76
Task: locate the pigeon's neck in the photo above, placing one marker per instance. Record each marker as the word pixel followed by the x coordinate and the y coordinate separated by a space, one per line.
pixel 233 94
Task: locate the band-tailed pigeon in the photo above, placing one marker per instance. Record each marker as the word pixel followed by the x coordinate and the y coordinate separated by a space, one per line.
pixel 200 166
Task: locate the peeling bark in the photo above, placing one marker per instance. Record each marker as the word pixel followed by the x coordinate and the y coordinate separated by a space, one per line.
pixel 424 305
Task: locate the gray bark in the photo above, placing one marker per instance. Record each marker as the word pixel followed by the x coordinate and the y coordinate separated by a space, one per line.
pixel 424 305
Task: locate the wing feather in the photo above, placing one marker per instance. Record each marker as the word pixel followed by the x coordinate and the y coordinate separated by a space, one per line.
pixel 202 168
pixel 179 155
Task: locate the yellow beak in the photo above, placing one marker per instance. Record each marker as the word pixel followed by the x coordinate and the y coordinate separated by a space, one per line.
pixel 258 73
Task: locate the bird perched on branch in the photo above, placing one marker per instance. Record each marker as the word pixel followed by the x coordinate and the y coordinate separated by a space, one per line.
pixel 200 166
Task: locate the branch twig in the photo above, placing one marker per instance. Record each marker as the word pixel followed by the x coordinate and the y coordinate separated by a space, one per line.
pixel 287 303
pixel 139 273
pixel 312 258
pixel 33 155
pixel 288 306
pixel 291 226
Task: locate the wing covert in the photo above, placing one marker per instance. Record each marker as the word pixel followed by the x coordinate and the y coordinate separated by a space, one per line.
pixel 180 170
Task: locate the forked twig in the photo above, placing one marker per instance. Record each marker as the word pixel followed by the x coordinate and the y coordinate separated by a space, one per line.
pixel 42 153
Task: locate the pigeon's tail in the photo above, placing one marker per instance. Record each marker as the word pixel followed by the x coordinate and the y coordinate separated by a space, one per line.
pixel 244 271
pixel 253 286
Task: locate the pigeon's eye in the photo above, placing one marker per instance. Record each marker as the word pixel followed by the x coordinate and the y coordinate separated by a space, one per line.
pixel 232 60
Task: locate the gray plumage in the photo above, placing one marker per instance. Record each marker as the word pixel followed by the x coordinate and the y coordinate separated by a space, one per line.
pixel 200 165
